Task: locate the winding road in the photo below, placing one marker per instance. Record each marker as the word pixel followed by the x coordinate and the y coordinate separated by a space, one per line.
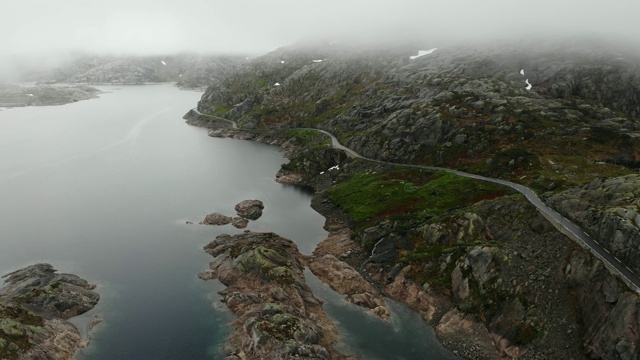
pixel 560 222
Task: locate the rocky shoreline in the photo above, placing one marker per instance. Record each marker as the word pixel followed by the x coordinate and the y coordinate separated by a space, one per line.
pixel 39 95
pixel 508 284
pixel 35 304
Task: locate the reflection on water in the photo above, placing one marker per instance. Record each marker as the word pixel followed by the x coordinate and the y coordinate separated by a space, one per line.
pixel 404 336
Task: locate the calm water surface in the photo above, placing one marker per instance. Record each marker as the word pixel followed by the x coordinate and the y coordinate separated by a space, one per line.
pixel 103 188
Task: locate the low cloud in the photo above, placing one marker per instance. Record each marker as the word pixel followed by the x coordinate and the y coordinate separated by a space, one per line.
pixel 254 27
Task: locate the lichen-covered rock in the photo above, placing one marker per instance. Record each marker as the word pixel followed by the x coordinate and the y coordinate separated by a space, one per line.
pixel 63 295
pixel 277 315
pixel 34 304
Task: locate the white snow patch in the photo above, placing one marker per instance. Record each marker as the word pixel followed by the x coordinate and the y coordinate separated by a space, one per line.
pixel 422 53
pixel 276 84
pixel 321 172
pixel 246 58
pixel 337 167
pixel 522 72
pixel 333 42
pixel 281 61
pixel 316 61
pixel 163 63
pixel 528 85
pixel 180 75
pixel 29 94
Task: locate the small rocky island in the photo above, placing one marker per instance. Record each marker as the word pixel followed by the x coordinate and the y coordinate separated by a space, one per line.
pixel 246 210
pixel 35 304
pixel 40 95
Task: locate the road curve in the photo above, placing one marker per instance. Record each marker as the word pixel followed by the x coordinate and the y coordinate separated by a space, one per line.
pixel 562 223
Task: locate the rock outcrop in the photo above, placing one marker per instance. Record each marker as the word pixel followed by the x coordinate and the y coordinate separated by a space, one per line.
pixel 34 304
pixel 277 315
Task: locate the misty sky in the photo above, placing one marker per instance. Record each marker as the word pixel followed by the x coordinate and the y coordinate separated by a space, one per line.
pixel 258 26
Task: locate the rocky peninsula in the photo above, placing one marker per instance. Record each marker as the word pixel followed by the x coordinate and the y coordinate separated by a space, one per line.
pixel 35 303
pixel 44 95
pixel 277 315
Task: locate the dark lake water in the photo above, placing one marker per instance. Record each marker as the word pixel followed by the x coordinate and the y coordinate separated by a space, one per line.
pixel 103 188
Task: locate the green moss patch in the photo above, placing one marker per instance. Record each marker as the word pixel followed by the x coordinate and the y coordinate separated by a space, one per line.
pixel 369 198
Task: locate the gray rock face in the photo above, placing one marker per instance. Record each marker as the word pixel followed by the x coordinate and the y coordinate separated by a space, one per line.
pixel 609 209
pixel 611 315
pixel 34 304
pixel 250 209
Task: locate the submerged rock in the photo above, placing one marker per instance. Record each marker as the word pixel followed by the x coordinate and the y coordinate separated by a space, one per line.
pixel 34 305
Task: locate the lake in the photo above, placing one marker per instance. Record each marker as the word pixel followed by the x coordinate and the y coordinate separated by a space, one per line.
pixel 103 189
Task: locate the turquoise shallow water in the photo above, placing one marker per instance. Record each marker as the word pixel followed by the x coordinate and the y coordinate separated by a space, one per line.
pixel 103 188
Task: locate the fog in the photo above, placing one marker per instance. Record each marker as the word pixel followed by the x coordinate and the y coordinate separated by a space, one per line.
pixel 255 26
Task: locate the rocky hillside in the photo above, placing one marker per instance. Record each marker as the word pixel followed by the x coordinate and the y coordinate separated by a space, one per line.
pixel 463 107
pixel 187 70
pixel 493 276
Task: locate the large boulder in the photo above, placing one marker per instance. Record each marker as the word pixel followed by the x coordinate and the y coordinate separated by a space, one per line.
pixel 216 219
pixel 250 209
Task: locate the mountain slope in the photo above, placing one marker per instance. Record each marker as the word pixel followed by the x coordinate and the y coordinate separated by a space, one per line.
pixel 492 275
pixel 460 107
